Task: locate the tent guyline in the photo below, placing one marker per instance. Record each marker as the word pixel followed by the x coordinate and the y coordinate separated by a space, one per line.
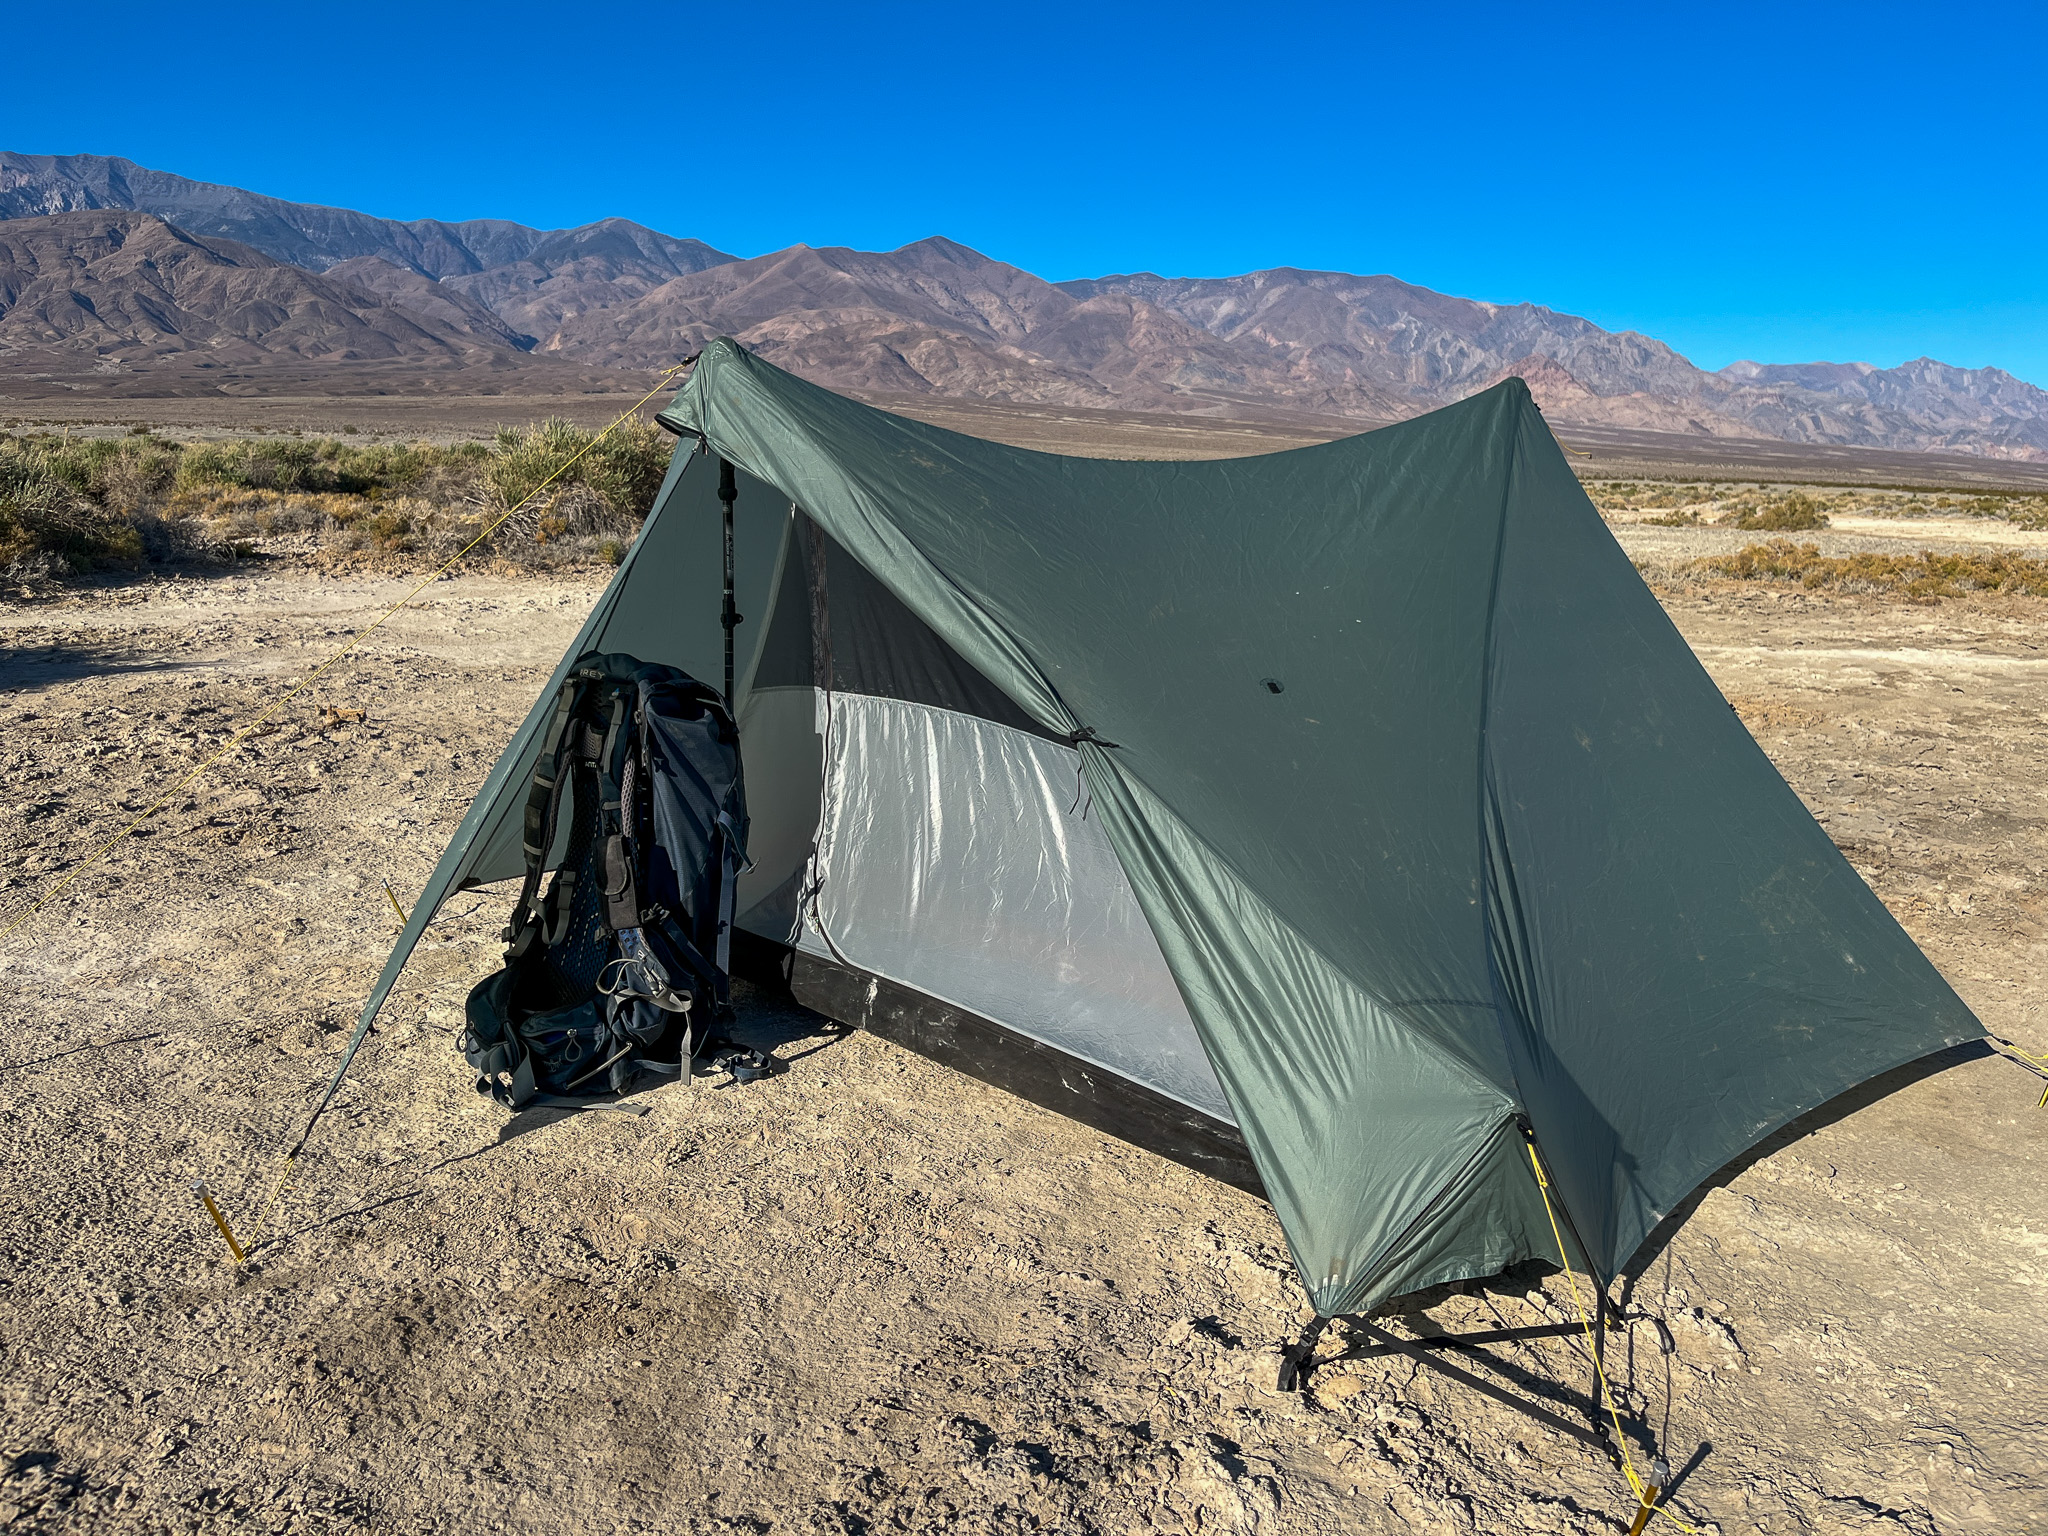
pixel 1414 837
pixel 362 1028
pixel 1646 1496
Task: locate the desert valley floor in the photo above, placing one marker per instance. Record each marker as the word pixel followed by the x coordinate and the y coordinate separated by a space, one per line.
pixel 868 1294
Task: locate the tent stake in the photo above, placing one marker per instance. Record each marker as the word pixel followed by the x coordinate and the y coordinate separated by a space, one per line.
pixel 728 617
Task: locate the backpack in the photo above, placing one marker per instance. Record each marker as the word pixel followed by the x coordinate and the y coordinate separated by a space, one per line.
pixel 622 966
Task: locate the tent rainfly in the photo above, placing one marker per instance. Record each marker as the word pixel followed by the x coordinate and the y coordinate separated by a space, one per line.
pixel 1340 820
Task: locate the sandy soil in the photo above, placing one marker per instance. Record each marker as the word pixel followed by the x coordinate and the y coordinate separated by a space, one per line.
pixel 868 1294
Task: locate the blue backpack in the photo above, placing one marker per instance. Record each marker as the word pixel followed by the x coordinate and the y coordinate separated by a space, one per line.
pixel 621 968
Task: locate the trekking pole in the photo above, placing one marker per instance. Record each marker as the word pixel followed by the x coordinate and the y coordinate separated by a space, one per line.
pixel 729 617
pixel 1653 1490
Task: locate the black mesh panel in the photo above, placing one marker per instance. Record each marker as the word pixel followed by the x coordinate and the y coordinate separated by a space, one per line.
pixel 878 646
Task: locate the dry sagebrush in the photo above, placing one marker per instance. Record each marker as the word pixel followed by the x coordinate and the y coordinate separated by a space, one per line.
pixel 69 507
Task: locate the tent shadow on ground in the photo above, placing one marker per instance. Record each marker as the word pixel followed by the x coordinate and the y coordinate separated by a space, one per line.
pixel 1843 1105
pixel 1692 1465
pixel 1542 1382
pixel 77 1050
pixel 768 1018
pixel 49 665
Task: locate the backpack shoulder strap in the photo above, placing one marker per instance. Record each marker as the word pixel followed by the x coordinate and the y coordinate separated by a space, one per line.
pixel 620 780
pixel 542 798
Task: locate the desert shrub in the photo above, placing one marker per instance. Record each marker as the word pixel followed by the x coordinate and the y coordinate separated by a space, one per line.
pixel 1926 575
pixel 1794 512
pixel 323 465
pixel 250 514
pixel 607 490
pixel 78 503
pixel 627 468
pixel 2029 512
pixel 182 538
pixel 523 460
pixel 47 518
pixel 390 530
pixel 288 464
pixel 1672 496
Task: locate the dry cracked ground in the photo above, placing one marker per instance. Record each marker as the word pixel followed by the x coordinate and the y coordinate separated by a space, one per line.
pixel 867 1294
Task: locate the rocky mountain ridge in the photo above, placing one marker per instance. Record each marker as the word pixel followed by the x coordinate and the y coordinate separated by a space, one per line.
pixel 1437 349
pixel 316 238
pixel 935 317
pixel 130 287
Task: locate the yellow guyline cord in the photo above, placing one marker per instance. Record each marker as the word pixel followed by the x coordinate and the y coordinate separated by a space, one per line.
pixel 1645 1497
pixel 2037 1064
pixel 107 847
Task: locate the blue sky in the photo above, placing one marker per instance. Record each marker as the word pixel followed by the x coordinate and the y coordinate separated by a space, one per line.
pixel 1775 181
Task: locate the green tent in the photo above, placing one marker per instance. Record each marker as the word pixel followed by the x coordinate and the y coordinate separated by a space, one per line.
pixel 1355 807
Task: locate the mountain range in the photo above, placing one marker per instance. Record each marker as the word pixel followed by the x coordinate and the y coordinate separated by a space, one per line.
pixel 105 260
